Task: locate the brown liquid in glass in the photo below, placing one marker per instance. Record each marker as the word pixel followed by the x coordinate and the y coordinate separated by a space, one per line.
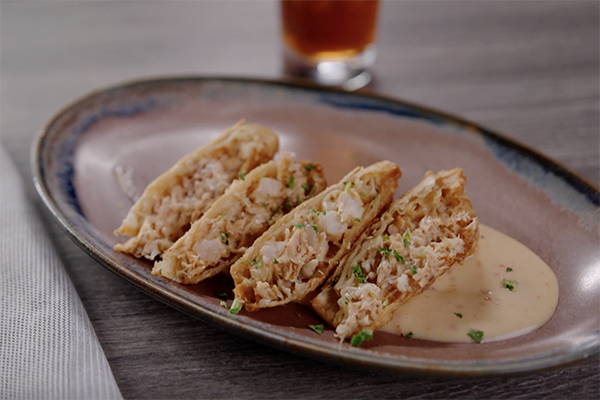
pixel 329 29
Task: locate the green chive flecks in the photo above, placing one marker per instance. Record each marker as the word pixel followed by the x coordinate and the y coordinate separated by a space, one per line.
pixel 317 328
pixel 242 175
pixel 236 306
pixel 290 185
pixel 476 335
pixel 510 285
pixel 363 336
pixel 398 257
pixel 299 226
pixel 385 250
pixel 413 269
pixel 310 167
pixel 406 238
pixel 359 274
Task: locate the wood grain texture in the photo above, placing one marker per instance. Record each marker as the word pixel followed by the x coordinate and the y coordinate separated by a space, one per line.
pixel 526 69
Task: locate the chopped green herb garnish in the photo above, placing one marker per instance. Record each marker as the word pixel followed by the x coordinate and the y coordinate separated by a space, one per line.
pixel 236 306
pixel 242 175
pixel 398 257
pixel 509 269
pixel 298 315
pixel 358 273
pixel 475 335
pixel 300 225
pixel 223 215
pixel 385 250
pixel 385 303
pixel 385 237
pixel 406 238
pixel 510 285
pixel 225 238
pixel 334 280
pixel 290 185
pixel 288 205
pixel 348 186
pixel 223 303
pixel 459 315
pixel 357 219
pixel 306 186
pixel 316 228
pixel 362 194
pixel 363 336
pixel 259 264
pixel 413 269
pixel 317 328
pixel 160 271
pixel 374 198
pixel 221 295
pixel 310 167
pixel 409 335
pixel 275 261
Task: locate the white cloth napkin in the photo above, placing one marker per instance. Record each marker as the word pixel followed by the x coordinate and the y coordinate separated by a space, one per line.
pixel 48 347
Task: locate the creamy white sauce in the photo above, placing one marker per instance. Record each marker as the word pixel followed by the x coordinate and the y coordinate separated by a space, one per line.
pixel 475 290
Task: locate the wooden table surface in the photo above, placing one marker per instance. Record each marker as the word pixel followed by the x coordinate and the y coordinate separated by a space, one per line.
pixel 527 69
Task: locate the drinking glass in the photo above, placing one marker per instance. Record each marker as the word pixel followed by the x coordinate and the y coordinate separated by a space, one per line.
pixel 331 42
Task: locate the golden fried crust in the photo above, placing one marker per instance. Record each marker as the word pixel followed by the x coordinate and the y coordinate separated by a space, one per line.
pixel 182 194
pixel 300 250
pixel 249 206
pixel 420 236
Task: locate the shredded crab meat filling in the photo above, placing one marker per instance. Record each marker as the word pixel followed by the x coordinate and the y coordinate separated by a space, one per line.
pixel 396 254
pixel 295 256
pixel 169 216
pixel 227 236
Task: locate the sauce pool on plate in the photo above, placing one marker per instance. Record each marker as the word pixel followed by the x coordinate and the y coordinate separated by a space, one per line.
pixel 504 290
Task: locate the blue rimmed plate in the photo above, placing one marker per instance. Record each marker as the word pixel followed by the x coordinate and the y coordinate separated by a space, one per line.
pixel 99 152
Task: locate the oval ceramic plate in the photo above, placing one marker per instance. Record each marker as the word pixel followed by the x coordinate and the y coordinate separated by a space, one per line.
pixel 97 153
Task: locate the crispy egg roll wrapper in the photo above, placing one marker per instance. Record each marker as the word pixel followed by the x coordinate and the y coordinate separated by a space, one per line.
pixel 299 251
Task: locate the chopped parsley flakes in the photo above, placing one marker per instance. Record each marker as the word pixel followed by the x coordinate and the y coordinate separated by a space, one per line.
pixel 507 284
pixel 300 225
pixel 459 315
pixel 509 269
pixel 242 175
pixel 476 335
pixel 363 336
pixel 310 167
pixel 413 269
pixel 317 328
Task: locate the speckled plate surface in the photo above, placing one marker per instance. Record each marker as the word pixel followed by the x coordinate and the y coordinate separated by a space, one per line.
pixel 96 153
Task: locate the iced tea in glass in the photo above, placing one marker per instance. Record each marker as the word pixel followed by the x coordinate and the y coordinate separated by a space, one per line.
pixel 330 41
